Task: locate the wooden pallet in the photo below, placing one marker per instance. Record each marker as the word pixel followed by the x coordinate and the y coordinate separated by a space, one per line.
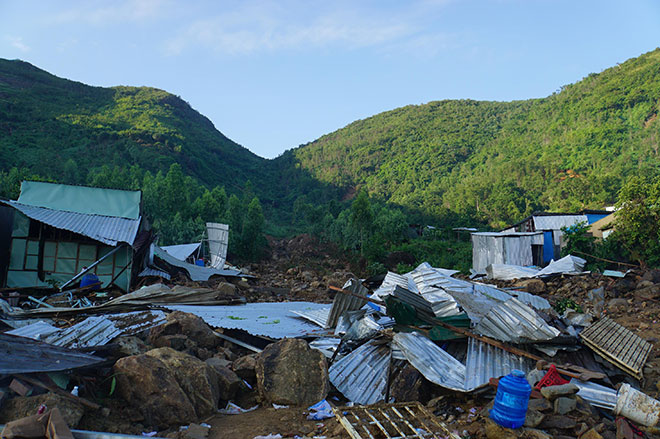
pixel 391 421
pixel 617 344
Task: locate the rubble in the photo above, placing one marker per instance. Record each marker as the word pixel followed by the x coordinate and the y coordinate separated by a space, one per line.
pixel 425 336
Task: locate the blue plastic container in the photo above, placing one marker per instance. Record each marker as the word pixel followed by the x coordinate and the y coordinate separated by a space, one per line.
pixel 511 400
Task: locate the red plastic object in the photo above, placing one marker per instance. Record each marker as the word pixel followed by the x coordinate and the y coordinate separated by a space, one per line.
pixel 551 378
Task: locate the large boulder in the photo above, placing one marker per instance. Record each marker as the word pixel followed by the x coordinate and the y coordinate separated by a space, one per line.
pixel 198 380
pixel 189 325
pixel 290 372
pixel 245 366
pixel 150 386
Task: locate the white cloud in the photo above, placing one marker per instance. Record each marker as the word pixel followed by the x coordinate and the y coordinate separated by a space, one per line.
pixel 265 26
pixel 17 43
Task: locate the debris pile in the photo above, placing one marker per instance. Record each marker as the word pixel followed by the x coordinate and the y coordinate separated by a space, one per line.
pixel 418 355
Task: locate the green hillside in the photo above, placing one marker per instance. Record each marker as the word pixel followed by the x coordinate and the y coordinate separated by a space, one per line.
pixel 499 161
pixel 46 121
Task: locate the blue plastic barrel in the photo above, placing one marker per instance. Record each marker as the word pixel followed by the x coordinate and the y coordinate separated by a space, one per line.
pixel 511 400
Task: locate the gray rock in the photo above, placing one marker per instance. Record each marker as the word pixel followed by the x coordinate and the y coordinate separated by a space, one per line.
pixel 128 345
pixel 542 405
pixel 216 362
pixel 553 392
pixel 531 433
pixel 245 366
pixel 564 405
pixel 229 383
pixel 533 418
pixel 189 325
pixel 559 422
pixel 290 372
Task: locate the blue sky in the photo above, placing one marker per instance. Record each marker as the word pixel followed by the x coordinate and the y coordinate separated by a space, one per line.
pixel 272 75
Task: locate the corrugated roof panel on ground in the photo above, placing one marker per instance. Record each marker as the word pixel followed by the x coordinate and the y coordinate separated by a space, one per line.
pixel 362 375
pixel 36 331
pixel 513 321
pixel 24 355
pixel 181 251
pixel 431 361
pixel 390 282
pixel 269 319
pixel 106 229
pixel 618 345
pixel 595 394
pixel 154 272
pixel 485 361
pixel 317 316
pixel 93 331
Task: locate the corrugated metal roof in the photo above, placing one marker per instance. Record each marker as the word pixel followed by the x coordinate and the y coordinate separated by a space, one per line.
pixel 181 251
pixel 567 264
pixel 269 319
pixel 344 302
pixel 513 321
pixel 154 272
pixel 485 361
pixel 318 316
pixel 106 229
pixel 435 364
pixel 392 280
pixel 362 375
pixel 357 325
pixel 36 331
pixel 595 394
pixel 325 345
pixel 93 331
pixel 24 355
pixel 556 222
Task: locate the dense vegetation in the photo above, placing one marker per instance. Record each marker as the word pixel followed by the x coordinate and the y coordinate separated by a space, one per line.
pixel 499 161
pixel 444 163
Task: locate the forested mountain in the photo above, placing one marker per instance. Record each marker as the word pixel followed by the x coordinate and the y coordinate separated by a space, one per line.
pixel 493 162
pixel 500 161
pixel 47 122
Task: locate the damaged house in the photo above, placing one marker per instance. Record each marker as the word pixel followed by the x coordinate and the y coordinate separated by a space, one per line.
pixel 52 231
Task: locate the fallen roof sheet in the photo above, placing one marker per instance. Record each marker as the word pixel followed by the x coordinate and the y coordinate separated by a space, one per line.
pixel 345 302
pixel 391 281
pixel 485 361
pixel 391 421
pixel 618 345
pixel 595 394
pixel 509 272
pixel 94 330
pixel 269 319
pixel 106 229
pixel 318 316
pixel 182 251
pixel 568 265
pixel 196 273
pixel 154 272
pixel 362 375
pixel 442 271
pixel 513 321
pixel 431 361
pixel 24 355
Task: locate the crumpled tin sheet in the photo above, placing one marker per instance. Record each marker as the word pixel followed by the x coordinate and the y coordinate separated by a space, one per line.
pixel 485 361
pixel 595 394
pixel 362 375
pixel 24 355
pixel 345 302
pixel 477 299
pixel 93 331
pixel 568 264
pixel 442 271
pixel 513 321
pixel 431 361
pixel 269 319
pixel 390 282
pixel 318 316
pixel 326 345
pixel 357 325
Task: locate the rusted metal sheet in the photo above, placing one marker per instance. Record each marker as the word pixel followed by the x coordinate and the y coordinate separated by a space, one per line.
pixel 618 345
pixel 391 421
pixel 24 355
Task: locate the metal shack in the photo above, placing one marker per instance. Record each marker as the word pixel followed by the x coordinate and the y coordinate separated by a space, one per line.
pixel 551 224
pixel 512 248
pixel 52 231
